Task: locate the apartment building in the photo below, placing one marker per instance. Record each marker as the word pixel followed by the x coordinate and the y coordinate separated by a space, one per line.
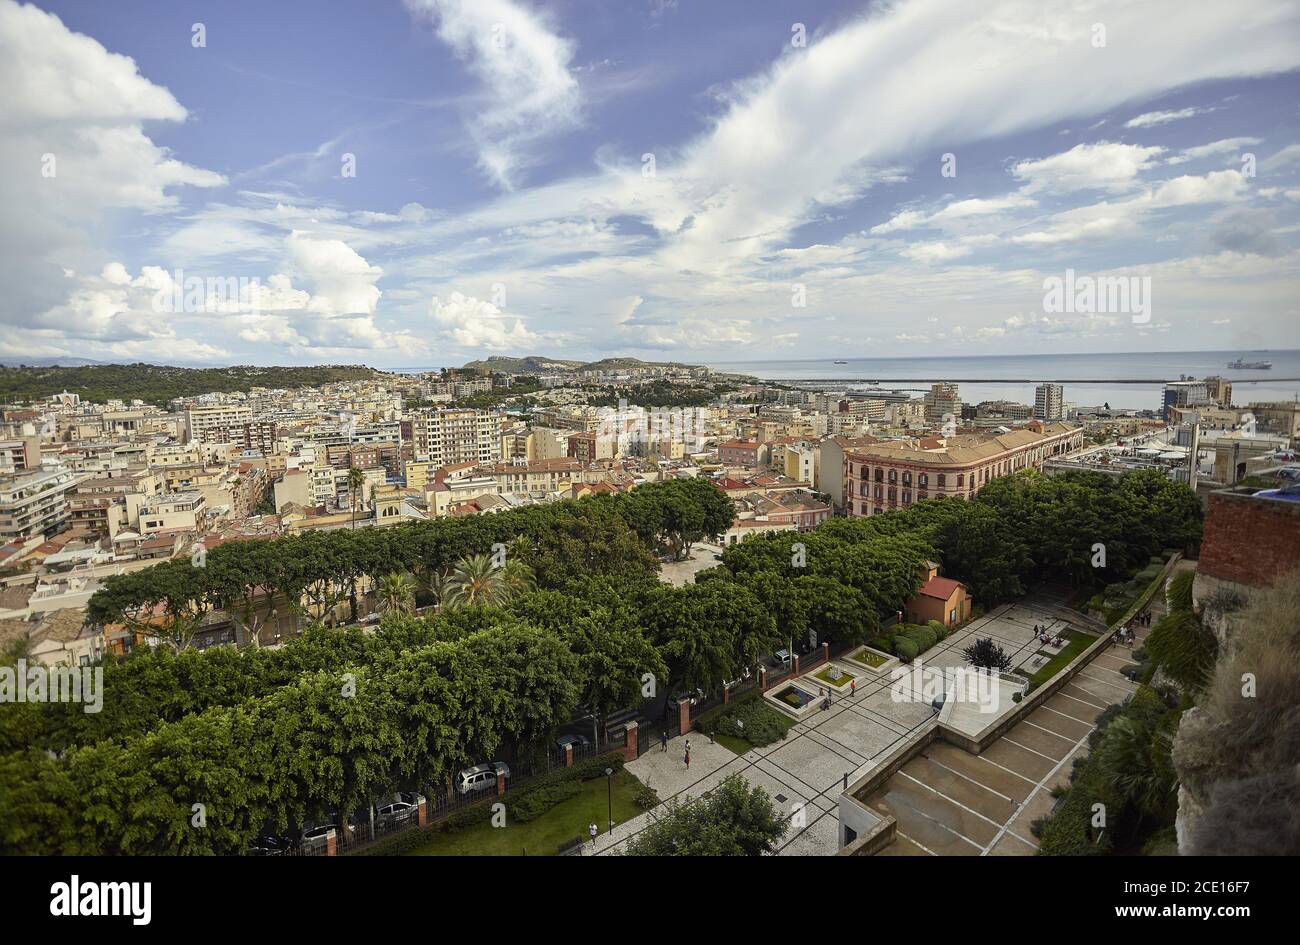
pixel 1281 418
pixel 943 402
pixel 167 513
pixel 895 473
pixel 217 423
pixel 20 454
pixel 801 463
pixel 587 448
pixel 747 453
pixel 34 503
pixel 444 437
pixel 1185 394
pixel 1049 402
pixel 548 443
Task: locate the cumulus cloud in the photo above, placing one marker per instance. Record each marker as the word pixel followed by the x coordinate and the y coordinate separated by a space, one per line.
pixel 72 147
pixel 1105 165
pixel 476 323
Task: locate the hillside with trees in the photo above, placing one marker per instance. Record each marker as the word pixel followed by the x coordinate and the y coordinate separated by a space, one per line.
pixel 160 384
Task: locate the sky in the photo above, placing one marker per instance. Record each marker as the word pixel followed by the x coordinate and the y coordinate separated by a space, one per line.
pixel 423 182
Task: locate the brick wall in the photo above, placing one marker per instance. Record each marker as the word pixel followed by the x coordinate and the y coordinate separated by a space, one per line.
pixel 1250 540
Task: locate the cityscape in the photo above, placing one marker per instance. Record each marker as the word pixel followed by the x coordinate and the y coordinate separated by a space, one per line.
pixel 444 490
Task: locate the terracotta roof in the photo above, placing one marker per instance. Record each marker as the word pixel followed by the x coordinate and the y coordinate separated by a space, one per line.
pixel 939 587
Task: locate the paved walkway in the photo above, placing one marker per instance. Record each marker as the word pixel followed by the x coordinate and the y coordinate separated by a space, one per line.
pixel 990 799
pixel 951 803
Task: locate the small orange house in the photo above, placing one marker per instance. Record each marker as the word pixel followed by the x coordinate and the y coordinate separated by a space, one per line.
pixel 939 598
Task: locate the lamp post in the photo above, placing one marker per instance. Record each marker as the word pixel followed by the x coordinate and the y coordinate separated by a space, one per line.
pixel 609 783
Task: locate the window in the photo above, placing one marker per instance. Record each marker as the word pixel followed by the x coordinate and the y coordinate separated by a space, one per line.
pixel 943 480
pixel 879 475
pixel 923 480
pixel 907 478
pixel 893 475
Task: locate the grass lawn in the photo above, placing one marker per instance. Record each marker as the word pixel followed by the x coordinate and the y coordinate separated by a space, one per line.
pixel 543 836
pixel 824 674
pixel 1076 643
pixel 741 745
pixel 869 658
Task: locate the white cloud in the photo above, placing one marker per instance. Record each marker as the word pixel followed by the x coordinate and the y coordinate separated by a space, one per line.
pixel 476 323
pixel 1213 149
pixel 525 70
pixel 1151 119
pixel 1105 165
pixel 73 108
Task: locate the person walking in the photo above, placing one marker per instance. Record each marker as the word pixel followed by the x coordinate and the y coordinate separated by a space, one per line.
pixel 663 739
pixel 593 830
pixel 687 759
pixel 853 687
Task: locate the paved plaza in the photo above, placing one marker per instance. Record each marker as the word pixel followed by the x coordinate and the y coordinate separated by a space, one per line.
pixel 806 772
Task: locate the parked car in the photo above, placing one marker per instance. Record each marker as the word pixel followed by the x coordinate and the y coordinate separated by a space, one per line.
pixel 782 657
pixel 270 846
pixel 577 741
pixel 398 812
pixel 315 838
pixel 480 776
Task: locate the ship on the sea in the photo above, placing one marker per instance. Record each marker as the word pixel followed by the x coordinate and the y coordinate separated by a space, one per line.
pixel 1242 365
pixel 841 362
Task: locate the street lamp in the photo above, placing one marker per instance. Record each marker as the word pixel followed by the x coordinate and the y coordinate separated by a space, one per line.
pixel 609 783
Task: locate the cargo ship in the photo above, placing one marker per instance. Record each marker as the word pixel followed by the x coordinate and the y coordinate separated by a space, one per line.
pixel 1241 365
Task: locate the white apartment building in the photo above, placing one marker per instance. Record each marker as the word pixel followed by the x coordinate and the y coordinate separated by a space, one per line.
pixel 445 437
pixel 1049 402
pixel 219 423
pixel 167 513
pixel 34 503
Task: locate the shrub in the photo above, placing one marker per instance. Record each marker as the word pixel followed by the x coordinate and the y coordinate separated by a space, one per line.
pixel 646 797
pixel 532 804
pixel 923 637
pixel 905 648
pixel 940 631
pixel 751 719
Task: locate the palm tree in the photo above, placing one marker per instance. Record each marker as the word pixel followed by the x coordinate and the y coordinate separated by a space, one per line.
pixel 439 587
pixel 396 593
pixel 516 579
pixel 356 482
pixel 474 580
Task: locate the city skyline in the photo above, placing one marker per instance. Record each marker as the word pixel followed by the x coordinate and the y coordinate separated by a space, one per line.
pixel 435 182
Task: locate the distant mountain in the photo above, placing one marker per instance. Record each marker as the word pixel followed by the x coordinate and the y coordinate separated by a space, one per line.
pixel 535 364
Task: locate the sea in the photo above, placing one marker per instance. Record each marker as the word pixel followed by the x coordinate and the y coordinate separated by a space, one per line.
pixel 1126 381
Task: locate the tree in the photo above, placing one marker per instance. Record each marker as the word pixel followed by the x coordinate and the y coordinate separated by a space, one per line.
pixel 396 593
pixel 731 820
pixel 474 581
pixel 985 654
pixel 356 483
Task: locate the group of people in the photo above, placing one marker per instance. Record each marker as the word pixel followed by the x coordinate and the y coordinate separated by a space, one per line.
pixel 1143 619
pixel 1042 636
pixel 1124 636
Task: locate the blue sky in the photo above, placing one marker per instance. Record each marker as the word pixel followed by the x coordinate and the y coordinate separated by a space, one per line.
pixel 502 201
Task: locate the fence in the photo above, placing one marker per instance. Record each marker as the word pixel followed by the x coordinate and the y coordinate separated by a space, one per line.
pixel 441 801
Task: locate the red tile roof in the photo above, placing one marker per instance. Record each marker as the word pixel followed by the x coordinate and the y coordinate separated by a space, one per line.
pixel 940 587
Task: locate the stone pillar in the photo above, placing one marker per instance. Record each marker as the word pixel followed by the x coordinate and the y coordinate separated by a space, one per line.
pixel 684 715
pixel 501 784
pixel 762 679
pixel 726 695
pixel 796 665
pixel 630 740
pixel 421 811
pixel 568 755
pixel 331 844
pixel 826 652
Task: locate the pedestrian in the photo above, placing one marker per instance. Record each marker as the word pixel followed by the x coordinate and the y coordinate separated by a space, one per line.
pixel 687 759
pixel 853 687
pixel 593 830
pixel 663 739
